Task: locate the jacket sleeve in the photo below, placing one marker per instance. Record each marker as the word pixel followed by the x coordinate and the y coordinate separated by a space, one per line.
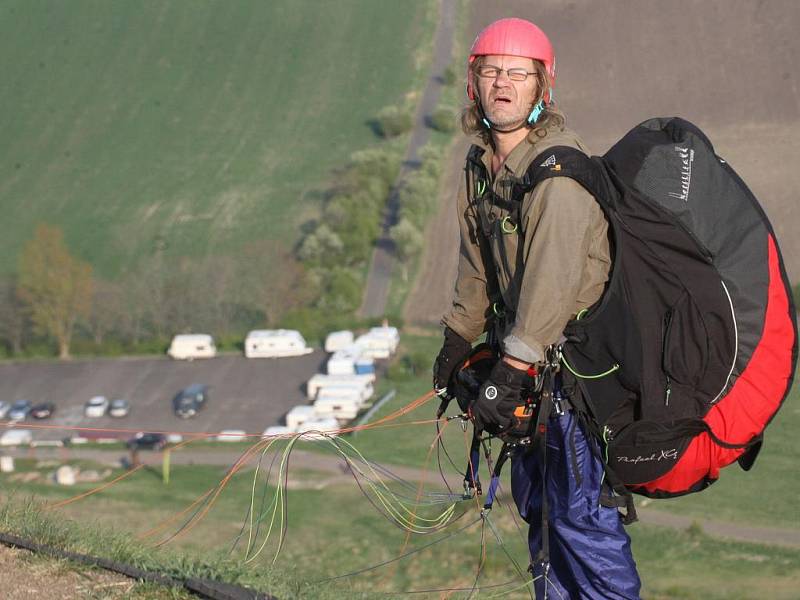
pixel 559 219
pixel 468 314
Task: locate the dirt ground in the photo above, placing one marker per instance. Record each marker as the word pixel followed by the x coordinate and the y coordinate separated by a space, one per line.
pixel 24 576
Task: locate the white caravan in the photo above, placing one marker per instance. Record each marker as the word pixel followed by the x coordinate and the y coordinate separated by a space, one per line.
pixel 319 428
pixel 339 407
pixel 338 340
pixel 379 342
pixel 189 346
pixel 362 392
pixel 277 431
pixel 373 346
pixel 275 343
pixel 390 334
pixel 321 380
pixel 299 415
pixel 343 362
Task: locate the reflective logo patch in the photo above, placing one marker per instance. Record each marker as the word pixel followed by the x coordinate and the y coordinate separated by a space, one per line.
pixel 490 392
pixel 550 162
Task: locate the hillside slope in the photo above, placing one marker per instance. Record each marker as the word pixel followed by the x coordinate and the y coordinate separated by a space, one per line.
pixel 727 65
pixel 190 128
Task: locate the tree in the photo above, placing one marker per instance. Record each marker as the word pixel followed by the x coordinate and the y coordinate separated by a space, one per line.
pixel 14 322
pixel 56 286
pixel 408 242
pixel 393 121
pixel 108 310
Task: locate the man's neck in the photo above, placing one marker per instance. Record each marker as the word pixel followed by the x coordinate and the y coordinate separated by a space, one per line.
pixel 503 144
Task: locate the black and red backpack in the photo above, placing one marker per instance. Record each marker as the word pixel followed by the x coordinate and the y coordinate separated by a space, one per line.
pixel 692 348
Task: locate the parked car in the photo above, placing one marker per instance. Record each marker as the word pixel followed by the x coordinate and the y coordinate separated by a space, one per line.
pixel 119 408
pixel 188 402
pixel 147 441
pixel 44 410
pixel 4 406
pixel 96 407
pixel 19 410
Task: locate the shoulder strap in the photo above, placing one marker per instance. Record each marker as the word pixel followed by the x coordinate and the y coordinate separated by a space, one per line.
pixel 565 161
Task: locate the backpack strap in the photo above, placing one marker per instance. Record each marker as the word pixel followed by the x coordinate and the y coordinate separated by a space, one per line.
pixel 565 161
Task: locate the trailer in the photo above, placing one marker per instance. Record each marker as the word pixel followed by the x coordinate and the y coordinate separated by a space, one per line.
pixel 373 347
pixel 296 417
pixel 390 334
pixel 320 428
pixel 338 340
pixel 362 392
pixel 343 362
pixel 321 380
pixel 275 343
pixel 343 408
pixel 188 346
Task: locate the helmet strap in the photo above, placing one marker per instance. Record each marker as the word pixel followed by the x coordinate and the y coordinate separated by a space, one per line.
pixel 537 111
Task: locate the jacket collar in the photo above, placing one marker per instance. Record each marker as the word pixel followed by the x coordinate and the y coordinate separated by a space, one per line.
pixel 515 163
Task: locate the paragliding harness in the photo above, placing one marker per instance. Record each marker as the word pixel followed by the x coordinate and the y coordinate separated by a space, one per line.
pixel 544 395
pixel 692 348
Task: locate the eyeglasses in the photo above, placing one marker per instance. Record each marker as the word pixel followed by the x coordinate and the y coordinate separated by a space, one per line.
pixel 492 72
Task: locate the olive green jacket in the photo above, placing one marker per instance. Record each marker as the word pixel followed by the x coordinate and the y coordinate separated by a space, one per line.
pixel 564 257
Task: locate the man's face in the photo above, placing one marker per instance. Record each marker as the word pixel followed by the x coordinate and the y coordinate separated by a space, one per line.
pixel 507 103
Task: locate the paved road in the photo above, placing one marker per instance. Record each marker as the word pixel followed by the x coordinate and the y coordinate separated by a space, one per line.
pixel 379 277
pixel 248 394
pixel 730 66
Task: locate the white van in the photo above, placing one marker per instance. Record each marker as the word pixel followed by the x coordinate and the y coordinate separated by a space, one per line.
pixel 275 343
pixel 189 346
pixel 321 380
pixel 338 340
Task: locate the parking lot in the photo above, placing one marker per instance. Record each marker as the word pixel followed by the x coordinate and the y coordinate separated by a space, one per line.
pixel 246 394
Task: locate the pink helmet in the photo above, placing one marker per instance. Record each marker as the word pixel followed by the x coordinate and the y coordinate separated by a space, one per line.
pixel 515 37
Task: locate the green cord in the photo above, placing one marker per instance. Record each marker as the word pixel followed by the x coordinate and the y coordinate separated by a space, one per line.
pixel 404 513
pixel 580 376
pixel 481 187
pixel 253 499
pixel 507 219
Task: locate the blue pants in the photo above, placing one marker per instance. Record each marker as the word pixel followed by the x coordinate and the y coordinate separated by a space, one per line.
pixel 590 552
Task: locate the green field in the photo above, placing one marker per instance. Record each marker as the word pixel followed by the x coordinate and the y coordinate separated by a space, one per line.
pixel 191 128
pixel 334 531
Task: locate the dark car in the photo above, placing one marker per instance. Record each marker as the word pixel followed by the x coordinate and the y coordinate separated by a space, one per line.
pixel 44 410
pixel 188 402
pixel 147 441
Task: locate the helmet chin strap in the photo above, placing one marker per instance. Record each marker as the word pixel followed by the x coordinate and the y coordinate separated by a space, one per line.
pixel 536 112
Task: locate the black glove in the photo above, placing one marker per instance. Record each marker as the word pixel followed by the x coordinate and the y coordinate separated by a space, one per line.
pixel 454 350
pixel 499 395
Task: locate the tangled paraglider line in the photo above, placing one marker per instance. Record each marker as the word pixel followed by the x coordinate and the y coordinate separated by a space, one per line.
pixel 397 500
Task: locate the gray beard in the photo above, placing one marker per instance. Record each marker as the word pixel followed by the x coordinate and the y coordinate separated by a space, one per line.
pixel 507 121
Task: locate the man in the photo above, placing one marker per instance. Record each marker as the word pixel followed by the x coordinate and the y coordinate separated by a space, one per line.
pixel 523 273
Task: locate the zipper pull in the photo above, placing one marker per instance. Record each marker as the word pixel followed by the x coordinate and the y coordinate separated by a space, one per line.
pixel 669 391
